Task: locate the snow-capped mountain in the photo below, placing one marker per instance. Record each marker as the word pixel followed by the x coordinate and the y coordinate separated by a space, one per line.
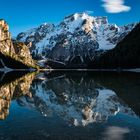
pixel 77 39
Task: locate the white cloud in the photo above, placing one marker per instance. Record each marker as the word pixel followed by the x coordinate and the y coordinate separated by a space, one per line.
pixel 115 6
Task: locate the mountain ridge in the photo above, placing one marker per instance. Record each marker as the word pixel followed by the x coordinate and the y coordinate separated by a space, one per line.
pixel 79 38
pixel 124 55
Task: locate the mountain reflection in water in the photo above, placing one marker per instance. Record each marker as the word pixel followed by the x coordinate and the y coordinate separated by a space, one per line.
pixel 13 90
pixel 79 99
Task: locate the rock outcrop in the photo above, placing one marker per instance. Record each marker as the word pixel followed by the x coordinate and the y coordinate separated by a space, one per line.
pixel 13 49
pixel 6 45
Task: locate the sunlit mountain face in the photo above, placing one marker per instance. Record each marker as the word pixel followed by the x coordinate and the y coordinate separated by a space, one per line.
pixel 76 40
pixel 83 102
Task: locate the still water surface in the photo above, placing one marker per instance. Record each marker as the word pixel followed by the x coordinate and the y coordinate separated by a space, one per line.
pixel 70 106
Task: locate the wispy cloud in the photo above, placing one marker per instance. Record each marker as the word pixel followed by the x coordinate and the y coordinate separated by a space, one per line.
pixel 115 6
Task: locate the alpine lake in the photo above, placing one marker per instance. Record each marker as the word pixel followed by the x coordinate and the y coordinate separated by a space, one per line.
pixel 70 105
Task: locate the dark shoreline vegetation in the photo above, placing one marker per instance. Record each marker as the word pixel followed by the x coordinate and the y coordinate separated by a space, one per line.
pixel 124 55
pixel 12 63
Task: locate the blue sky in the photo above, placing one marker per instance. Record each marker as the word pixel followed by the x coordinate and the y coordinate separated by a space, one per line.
pixel 25 14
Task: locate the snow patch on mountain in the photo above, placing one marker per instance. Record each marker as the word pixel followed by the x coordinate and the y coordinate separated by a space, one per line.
pixel 78 35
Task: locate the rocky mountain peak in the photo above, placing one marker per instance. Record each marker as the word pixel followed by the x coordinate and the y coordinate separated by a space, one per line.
pixel 76 16
pixel 77 39
pixel 83 16
pixel 101 20
pixel 4 30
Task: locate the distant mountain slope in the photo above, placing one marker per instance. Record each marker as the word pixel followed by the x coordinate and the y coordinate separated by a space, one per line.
pixel 78 39
pixel 125 55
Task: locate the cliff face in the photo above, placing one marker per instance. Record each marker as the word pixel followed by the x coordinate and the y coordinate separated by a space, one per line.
pixel 6 45
pixel 23 53
pixel 16 50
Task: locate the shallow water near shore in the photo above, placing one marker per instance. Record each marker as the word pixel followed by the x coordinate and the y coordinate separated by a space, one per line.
pixel 70 106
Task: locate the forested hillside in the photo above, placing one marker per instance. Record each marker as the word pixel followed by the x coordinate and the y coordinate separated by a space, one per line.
pixel 125 55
